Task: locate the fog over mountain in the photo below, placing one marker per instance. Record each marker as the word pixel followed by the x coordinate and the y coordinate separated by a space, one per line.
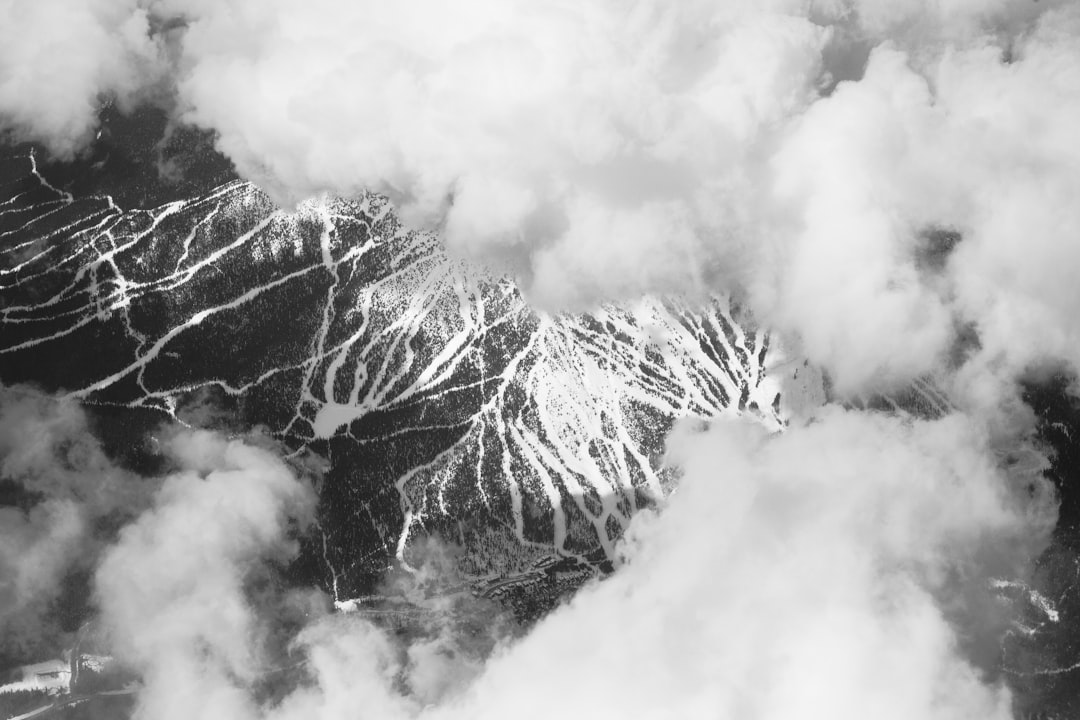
pixel 709 359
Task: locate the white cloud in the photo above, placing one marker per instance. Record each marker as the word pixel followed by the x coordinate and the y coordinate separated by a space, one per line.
pixel 818 572
pixel 614 149
pixel 58 57
pixel 175 575
pixel 62 484
pixel 802 574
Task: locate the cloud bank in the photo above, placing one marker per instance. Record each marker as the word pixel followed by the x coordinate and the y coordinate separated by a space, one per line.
pixel 837 570
pixel 604 149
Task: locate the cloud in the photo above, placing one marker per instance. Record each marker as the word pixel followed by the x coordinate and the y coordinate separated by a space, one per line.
pixel 801 574
pixel 839 569
pixel 172 588
pixel 60 59
pixel 612 151
pixel 178 604
pixel 580 138
pixel 59 488
pixel 965 142
pixel 601 150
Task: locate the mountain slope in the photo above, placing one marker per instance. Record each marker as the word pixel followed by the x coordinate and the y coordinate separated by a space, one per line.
pixel 444 404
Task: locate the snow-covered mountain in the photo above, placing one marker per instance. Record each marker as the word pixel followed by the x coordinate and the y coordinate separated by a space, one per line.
pixel 443 403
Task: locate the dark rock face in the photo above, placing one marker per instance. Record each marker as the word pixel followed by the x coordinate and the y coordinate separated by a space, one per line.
pixel 443 404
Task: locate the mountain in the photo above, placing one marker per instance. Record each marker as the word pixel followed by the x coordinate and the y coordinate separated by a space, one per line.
pixel 443 404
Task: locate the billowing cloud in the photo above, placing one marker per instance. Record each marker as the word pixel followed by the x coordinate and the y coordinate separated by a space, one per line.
pixel 604 149
pixel 884 169
pixel 58 488
pixel 796 575
pixel 60 59
pixel 580 139
pixel 172 591
pixel 841 569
